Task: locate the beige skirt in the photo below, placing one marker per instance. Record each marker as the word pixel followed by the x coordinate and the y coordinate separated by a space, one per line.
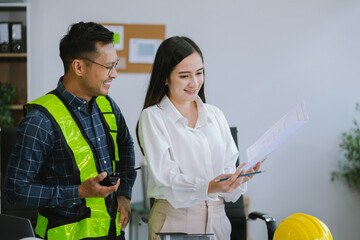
pixel 206 217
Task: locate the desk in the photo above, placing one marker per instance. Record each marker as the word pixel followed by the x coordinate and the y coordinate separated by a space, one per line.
pixel 184 236
pixel 138 209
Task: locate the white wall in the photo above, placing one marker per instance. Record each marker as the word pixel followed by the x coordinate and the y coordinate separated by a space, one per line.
pixel 261 58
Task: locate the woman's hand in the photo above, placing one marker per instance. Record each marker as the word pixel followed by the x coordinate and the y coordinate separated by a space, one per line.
pixel 251 170
pixel 233 181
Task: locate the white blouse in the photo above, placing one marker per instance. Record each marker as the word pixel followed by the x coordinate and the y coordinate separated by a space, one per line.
pixel 183 160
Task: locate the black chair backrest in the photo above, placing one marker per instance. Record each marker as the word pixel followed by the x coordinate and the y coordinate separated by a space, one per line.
pixel 8 141
pixel 235 211
pixel 14 228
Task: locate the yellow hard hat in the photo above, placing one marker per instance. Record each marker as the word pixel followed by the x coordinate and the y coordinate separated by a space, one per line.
pixel 300 226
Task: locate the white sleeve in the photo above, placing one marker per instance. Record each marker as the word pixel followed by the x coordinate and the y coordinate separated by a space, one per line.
pixel 231 155
pixel 179 189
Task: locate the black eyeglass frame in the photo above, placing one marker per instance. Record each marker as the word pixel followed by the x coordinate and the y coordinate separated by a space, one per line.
pixel 107 67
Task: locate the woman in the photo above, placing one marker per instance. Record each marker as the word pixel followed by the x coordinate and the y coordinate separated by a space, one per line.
pixel 187 145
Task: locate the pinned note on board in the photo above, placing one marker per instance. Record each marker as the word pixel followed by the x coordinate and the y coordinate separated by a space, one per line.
pixel 143 50
pixel 136 45
pixel 118 40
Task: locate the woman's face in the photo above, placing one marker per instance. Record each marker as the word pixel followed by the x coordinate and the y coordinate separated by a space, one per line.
pixel 186 79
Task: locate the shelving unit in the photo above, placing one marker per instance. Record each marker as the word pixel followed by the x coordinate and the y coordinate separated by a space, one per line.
pixel 14 67
pixel 13 55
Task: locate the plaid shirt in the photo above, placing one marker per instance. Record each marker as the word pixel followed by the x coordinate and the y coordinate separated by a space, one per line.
pixel 41 172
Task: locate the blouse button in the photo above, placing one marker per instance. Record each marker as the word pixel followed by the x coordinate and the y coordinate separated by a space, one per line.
pixel 79 108
pixel 105 162
pixel 99 139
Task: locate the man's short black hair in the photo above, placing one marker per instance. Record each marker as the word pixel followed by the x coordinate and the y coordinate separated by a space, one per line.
pixel 81 39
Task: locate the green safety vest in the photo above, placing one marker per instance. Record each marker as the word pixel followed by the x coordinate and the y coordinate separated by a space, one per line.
pixel 97 223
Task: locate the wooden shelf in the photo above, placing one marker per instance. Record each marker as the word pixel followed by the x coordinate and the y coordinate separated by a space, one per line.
pixel 14 67
pixel 13 55
pixel 16 107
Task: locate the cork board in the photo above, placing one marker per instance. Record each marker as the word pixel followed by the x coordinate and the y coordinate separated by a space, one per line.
pixel 131 32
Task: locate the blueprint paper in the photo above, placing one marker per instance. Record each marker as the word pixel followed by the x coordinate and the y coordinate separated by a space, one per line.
pixel 276 135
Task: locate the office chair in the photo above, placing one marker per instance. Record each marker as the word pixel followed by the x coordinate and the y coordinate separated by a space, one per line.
pixel 236 213
pixel 8 141
pixel 140 211
pixel 14 228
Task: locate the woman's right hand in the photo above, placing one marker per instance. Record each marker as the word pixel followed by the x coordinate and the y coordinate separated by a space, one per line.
pixel 226 186
pixel 229 185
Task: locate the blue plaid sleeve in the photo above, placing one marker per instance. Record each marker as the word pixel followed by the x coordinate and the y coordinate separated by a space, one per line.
pixel 23 183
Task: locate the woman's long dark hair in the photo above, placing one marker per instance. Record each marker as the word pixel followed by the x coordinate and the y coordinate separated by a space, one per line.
pixel 169 54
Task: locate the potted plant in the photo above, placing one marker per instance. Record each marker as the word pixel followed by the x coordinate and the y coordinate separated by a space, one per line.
pixel 7 90
pixel 349 169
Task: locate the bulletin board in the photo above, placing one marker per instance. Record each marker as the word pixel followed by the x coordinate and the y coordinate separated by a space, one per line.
pixel 135 41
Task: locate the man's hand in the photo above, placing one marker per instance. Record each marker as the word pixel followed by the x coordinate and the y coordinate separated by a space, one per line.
pixel 92 188
pixel 125 211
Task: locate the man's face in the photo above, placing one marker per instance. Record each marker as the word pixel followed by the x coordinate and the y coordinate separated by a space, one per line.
pixel 99 75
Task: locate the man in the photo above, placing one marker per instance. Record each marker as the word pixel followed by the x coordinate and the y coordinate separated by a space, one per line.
pixel 67 142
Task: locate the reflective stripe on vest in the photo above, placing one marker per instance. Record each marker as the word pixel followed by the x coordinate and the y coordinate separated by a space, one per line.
pixel 98 224
pixel 109 116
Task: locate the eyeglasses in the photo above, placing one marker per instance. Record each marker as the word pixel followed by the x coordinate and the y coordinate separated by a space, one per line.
pixel 108 68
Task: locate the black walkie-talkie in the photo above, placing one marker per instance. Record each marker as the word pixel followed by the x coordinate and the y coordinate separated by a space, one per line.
pixel 112 177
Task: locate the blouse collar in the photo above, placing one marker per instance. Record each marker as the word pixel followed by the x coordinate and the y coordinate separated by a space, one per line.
pixel 174 115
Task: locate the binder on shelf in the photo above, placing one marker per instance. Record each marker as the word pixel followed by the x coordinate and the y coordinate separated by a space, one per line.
pixel 16 37
pixel 4 37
